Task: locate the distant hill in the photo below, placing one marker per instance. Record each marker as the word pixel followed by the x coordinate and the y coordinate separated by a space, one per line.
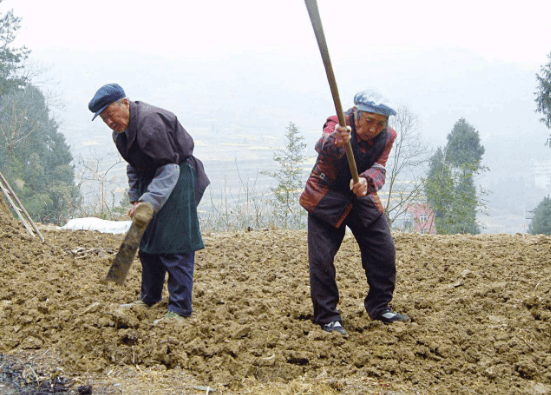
pixel 237 107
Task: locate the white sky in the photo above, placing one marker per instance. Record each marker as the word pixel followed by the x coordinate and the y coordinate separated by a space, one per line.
pixel 517 32
pixel 445 60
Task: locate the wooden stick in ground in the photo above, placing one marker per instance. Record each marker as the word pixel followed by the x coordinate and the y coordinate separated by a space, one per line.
pixel 16 209
pixel 21 207
pixel 312 7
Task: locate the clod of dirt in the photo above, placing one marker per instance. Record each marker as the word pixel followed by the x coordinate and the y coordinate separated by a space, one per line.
pixel 480 309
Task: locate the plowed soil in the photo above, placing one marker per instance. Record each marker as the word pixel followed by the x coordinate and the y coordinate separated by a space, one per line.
pixel 480 309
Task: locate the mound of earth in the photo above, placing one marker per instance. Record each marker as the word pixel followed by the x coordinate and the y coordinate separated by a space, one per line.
pixel 480 309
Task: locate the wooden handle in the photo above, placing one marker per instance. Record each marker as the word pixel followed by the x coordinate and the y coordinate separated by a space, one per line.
pixel 312 7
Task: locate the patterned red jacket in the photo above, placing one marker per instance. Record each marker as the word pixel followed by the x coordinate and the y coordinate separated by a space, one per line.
pixel 327 193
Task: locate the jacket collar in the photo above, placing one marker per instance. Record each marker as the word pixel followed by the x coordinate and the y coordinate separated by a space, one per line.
pixel 132 130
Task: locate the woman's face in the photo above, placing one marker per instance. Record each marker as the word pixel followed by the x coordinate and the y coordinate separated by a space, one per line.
pixel 369 125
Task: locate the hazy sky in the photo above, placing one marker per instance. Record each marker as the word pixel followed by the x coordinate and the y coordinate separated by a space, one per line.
pixel 444 60
pixel 497 30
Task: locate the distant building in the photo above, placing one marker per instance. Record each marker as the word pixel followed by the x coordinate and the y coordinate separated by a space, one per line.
pixel 420 218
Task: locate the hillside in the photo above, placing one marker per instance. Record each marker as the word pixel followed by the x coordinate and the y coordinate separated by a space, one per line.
pixel 480 308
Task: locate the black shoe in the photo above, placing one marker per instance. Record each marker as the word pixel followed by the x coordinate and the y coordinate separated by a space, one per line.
pixel 388 316
pixel 335 326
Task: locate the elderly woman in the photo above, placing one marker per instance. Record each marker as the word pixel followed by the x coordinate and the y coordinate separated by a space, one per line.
pixel 333 201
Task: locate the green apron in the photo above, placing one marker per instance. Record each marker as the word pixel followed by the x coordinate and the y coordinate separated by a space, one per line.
pixel 175 228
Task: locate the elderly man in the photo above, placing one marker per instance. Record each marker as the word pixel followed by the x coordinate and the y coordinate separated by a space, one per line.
pixel 334 201
pixel 162 172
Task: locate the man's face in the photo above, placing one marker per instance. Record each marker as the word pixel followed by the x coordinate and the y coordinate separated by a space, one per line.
pixel 369 125
pixel 117 116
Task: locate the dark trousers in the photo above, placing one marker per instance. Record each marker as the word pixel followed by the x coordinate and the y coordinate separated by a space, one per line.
pixel 180 280
pixel 378 260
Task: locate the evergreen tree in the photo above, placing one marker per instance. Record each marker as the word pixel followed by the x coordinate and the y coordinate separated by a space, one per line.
pixel 11 59
pixel 543 94
pixel 34 157
pixel 463 146
pixel 287 210
pixel 449 186
pixel 541 222
pixel 439 189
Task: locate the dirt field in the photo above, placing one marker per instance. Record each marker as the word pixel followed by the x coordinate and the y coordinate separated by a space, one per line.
pixel 480 305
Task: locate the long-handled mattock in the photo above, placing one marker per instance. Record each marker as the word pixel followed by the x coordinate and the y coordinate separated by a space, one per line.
pixel 312 7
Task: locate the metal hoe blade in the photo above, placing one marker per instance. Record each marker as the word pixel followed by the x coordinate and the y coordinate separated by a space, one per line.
pixel 123 260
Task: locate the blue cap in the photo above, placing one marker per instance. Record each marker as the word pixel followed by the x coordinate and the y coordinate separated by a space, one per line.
pixel 105 95
pixel 373 101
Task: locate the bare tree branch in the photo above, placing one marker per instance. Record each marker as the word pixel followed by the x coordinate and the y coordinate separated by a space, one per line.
pixel 405 168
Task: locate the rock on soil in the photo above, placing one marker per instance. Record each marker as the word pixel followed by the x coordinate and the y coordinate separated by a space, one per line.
pixel 480 309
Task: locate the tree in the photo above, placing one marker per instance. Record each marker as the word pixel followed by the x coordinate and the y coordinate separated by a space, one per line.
pixel 35 157
pixel 100 177
pixel 541 222
pixel 33 154
pixel 463 146
pixel 543 94
pixel 11 59
pixel 21 115
pixel 403 180
pixel 439 188
pixel 449 186
pixel 287 209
